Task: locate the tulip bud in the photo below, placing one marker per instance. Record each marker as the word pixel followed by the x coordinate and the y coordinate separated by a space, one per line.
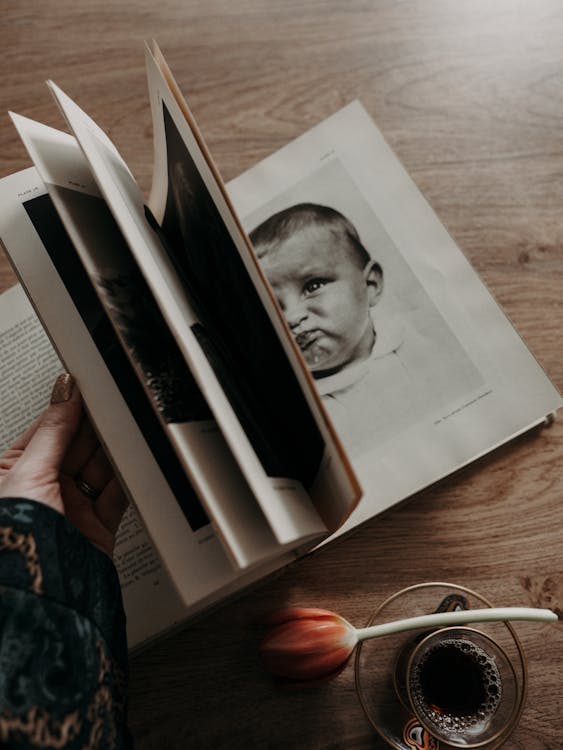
pixel 307 646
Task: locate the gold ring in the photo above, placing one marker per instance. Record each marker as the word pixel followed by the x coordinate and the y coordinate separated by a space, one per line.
pixel 91 492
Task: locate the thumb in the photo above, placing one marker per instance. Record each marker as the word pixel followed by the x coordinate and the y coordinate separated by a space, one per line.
pixel 50 440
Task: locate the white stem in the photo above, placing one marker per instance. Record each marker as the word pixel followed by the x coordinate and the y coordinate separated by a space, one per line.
pixel 491 614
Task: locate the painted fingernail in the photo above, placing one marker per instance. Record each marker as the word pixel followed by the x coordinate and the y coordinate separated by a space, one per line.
pixel 62 390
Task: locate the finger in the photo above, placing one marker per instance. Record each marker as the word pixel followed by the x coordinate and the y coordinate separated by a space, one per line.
pixel 21 443
pixel 82 448
pixel 81 511
pixel 97 471
pixel 8 460
pixel 51 439
pixel 111 505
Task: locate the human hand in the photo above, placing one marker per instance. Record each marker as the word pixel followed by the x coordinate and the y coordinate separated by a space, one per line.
pixel 59 461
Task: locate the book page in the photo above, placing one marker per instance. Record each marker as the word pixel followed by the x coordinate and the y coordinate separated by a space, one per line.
pixel 350 245
pixel 179 529
pixel 213 257
pixel 152 350
pixel 284 501
pixel 28 366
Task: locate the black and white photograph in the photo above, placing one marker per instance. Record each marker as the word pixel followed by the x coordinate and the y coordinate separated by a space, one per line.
pixel 234 329
pixel 54 237
pixel 382 356
pixel 134 312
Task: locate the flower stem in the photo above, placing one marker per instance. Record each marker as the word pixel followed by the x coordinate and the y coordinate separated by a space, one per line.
pixel 444 619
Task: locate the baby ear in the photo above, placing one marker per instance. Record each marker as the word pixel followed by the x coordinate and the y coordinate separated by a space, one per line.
pixel 373 274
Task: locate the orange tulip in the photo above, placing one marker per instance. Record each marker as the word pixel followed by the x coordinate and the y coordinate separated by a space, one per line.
pixel 307 646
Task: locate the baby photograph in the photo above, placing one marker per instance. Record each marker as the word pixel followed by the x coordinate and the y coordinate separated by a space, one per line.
pixel 382 356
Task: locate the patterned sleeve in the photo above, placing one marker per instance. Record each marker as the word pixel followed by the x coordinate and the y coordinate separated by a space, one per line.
pixel 63 653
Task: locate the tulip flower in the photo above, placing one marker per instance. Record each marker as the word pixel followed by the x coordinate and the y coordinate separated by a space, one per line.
pixel 309 646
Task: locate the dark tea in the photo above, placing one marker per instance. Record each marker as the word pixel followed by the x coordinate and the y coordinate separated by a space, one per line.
pixel 455 685
pixel 460 685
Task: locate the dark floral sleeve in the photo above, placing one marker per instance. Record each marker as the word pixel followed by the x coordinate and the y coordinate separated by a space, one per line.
pixel 63 653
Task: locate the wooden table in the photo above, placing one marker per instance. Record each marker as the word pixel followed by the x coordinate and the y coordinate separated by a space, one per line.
pixel 469 95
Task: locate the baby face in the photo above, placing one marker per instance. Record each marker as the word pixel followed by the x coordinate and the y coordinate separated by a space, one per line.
pixel 325 296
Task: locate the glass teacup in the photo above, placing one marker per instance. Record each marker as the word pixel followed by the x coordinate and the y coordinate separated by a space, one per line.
pixel 459 684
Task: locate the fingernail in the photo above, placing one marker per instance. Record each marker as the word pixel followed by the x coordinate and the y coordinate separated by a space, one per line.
pixel 62 390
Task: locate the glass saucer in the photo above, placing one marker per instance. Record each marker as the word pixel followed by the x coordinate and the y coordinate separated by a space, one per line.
pixel 376 660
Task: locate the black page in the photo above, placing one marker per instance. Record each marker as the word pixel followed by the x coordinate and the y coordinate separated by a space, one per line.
pixel 235 330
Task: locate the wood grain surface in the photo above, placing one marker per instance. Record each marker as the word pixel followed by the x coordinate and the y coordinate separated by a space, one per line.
pixel 470 96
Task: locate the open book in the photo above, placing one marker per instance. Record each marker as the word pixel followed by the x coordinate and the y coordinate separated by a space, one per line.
pixel 245 395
